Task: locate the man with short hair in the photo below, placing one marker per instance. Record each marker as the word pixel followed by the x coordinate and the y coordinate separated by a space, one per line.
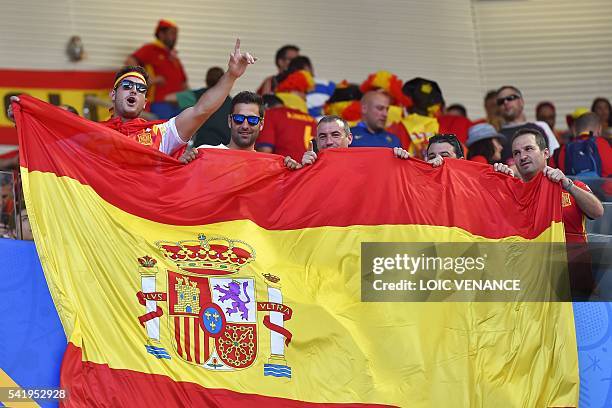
pixel 370 132
pixel 245 121
pixel 511 104
pixel 283 57
pixel 546 112
pixel 530 156
pixel 160 59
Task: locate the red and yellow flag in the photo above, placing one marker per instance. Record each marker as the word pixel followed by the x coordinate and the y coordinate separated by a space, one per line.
pixel 233 281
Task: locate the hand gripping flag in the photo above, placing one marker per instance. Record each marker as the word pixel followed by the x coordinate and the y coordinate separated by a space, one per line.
pixel 233 281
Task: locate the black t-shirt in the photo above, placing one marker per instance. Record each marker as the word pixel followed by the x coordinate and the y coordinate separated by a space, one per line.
pixel 510 131
pixel 215 130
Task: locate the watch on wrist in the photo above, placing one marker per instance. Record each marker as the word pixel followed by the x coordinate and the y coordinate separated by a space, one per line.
pixel 570 184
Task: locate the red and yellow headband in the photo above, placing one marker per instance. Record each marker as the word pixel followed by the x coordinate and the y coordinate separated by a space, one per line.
pixel 129 74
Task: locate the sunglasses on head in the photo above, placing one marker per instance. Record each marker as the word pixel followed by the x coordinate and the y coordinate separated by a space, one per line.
pixel 239 119
pixel 509 98
pixel 127 85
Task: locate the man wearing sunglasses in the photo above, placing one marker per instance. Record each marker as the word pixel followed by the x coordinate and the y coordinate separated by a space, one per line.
pixel 245 122
pixel 511 107
pixel 129 100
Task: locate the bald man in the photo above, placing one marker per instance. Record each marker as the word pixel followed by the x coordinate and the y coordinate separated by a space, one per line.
pixel 370 132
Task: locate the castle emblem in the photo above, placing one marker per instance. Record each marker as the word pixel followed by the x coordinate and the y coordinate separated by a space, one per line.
pixel 211 307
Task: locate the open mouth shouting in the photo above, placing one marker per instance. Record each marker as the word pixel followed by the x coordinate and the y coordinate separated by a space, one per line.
pixel 131 101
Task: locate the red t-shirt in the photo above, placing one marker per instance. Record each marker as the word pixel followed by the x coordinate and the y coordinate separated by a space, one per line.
pixel 573 217
pixel 287 131
pixel 159 60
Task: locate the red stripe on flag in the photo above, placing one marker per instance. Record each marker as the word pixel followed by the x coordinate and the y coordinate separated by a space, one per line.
pixel 92 384
pixel 187 338
pixel 177 335
pixel 196 341
pixel 8 136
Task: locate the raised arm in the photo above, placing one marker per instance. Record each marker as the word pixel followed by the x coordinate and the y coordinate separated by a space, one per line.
pixel 190 120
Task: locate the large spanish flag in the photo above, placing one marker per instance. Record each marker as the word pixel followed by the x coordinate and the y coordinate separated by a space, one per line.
pixel 232 281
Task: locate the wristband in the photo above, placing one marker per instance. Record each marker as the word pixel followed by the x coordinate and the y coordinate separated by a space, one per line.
pixel 569 185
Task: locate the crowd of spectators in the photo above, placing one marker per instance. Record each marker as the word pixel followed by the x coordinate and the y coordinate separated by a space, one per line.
pixel 381 111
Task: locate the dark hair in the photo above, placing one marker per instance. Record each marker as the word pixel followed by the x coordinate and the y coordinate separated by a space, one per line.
pixel 132 68
pixel 514 88
pixel 248 97
pixel 450 139
pixel 587 122
pixel 271 100
pixel 459 107
pixel 539 137
pixel 490 94
pixel 213 75
pixel 607 101
pixel 482 148
pixel 299 62
pixel 161 30
pixel 281 53
pixel 335 118
pixel 544 104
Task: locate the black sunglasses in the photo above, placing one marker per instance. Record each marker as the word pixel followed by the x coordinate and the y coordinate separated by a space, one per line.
pixel 127 85
pixel 509 98
pixel 239 119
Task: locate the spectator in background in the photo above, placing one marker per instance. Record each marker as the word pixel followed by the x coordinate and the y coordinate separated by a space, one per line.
pixel 214 131
pixel 161 61
pixel 484 144
pixel 456 109
pixel 370 132
pixel 271 101
pixel 589 154
pixel 289 128
pixel 546 112
pixel 511 104
pixel 322 91
pixel 601 106
pixel 492 109
pixel 283 57
pixel 345 102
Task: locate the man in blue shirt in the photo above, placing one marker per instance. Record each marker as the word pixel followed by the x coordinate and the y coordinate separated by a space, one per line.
pixel 370 132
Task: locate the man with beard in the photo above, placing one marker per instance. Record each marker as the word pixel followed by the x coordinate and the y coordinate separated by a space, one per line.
pixel 245 122
pixel 161 61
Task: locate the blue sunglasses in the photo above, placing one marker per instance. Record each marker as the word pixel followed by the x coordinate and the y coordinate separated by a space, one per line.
pixel 239 119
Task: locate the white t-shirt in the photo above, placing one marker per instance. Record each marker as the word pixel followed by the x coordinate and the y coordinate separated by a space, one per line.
pixel 170 139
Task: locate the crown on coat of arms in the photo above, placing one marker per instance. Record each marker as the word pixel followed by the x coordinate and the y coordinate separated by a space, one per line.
pixel 213 255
